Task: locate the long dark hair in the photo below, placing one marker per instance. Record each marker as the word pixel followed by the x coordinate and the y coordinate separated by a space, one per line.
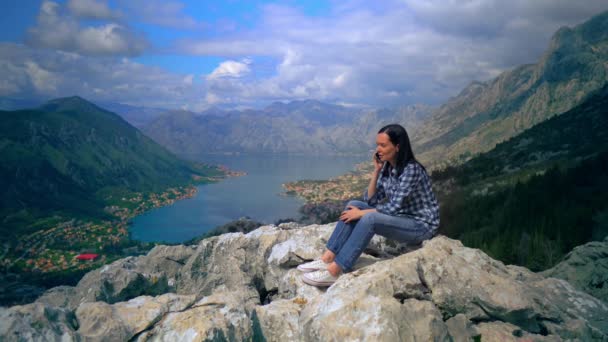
pixel 398 136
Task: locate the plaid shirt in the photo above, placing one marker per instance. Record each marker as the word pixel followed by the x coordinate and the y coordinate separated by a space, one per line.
pixel 409 194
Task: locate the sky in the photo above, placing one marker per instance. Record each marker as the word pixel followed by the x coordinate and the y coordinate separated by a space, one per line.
pixel 247 54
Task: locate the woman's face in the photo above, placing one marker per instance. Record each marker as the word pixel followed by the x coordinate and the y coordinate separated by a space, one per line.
pixel 386 149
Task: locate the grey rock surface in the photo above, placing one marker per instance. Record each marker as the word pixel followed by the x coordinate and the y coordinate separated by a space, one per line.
pixel 586 268
pixel 151 274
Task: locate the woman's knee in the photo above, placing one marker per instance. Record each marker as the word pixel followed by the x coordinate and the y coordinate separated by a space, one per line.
pixel 369 218
pixel 356 203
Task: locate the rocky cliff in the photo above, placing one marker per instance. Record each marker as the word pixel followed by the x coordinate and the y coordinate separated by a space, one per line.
pixel 246 287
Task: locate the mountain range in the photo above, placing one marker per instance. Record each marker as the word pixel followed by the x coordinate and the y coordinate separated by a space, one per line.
pixel 298 127
pixel 479 117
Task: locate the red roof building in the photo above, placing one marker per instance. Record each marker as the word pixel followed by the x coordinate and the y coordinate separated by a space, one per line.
pixel 87 256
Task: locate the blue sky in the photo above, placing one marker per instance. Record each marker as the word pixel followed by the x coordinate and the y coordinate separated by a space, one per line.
pixel 196 54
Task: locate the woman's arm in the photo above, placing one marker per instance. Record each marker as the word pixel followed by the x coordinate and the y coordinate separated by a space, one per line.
pixel 371 188
pixel 370 196
pixel 408 179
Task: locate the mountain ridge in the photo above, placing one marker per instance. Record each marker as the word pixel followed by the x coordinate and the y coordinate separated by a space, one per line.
pixel 486 113
pixel 298 127
pixel 71 146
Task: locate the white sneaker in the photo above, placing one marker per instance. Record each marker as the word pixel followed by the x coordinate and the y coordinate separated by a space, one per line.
pixel 319 278
pixel 312 266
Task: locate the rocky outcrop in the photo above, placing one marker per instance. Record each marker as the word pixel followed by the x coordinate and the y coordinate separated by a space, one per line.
pixel 152 274
pixel 245 287
pixel 585 267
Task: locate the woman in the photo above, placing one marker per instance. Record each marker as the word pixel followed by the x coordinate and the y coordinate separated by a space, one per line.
pixel 399 204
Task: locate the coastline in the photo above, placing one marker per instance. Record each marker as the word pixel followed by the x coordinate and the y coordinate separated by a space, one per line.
pixel 324 200
pixel 341 188
pixel 47 257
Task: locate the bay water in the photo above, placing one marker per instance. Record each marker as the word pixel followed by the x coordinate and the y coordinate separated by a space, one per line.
pixel 256 195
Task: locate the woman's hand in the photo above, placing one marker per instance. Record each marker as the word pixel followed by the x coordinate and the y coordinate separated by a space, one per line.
pixel 377 163
pixel 352 214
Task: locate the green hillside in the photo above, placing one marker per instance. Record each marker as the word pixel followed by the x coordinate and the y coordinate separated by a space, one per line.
pixel 536 196
pixel 581 132
pixel 70 158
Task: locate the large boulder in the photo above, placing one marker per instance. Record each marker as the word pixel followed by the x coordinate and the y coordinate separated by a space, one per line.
pixel 585 267
pixel 100 321
pixel 37 322
pixel 222 316
pixel 152 274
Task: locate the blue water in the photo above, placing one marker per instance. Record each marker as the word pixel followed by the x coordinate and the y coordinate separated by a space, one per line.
pixel 256 195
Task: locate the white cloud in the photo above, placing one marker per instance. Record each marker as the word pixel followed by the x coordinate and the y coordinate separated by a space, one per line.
pixel 189 79
pixel 92 9
pixel 372 53
pixel 110 39
pixel 43 80
pixel 391 52
pixel 230 69
pixel 56 29
pixel 49 74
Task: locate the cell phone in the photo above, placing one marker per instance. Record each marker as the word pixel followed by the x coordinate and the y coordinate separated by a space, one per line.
pixel 378 158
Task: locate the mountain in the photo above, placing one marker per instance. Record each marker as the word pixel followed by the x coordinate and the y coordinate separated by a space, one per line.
pixel 65 157
pixel 300 127
pixel 577 134
pixel 237 287
pixel 534 197
pixel 137 116
pixel 486 113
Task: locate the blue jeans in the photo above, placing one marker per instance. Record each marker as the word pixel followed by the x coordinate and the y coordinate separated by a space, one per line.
pixel 350 239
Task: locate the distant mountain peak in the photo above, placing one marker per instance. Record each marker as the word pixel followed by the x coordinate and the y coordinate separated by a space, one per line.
pixel 71 103
pixel 69 99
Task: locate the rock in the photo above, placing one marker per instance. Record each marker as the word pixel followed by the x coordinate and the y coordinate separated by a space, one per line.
pixel 386 301
pixel 467 281
pixel 382 247
pixel 124 279
pixel 289 225
pixel 247 287
pixel 100 321
pixel 59 296
pixel 258 259
pixel 279 320
pixel 37 322
pixel 585 267
pixel 291 286
pixel 222 316
pixel 461 329
pixel 230 260
pixel 506 332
